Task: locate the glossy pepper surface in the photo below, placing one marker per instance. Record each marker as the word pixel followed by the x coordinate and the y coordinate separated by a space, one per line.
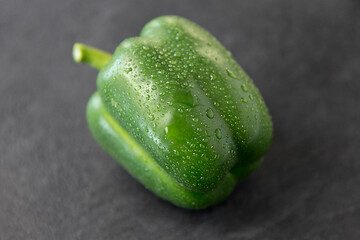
pixel 177 112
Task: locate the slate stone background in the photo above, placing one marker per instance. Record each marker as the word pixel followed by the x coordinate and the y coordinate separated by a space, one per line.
pixel 57 183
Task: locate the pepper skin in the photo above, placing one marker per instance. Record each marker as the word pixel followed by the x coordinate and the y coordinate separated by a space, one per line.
pixel 177 112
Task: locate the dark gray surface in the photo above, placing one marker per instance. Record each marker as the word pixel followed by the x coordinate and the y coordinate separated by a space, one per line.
pixel 57 183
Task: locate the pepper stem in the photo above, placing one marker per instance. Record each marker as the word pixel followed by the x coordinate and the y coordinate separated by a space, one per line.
pixel 96 58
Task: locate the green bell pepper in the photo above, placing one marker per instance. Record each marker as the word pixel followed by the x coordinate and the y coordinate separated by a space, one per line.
pixel 177 112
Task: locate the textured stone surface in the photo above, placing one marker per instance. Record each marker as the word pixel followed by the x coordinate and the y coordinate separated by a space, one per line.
pixel 57 183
